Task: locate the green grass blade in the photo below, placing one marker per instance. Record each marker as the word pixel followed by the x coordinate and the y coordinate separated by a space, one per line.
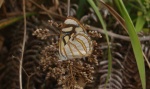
pixel 139 23
pixel 134 41
pixel 9 21
pixel 104 27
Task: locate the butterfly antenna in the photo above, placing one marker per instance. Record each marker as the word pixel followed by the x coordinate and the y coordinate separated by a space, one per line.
pixel 68 8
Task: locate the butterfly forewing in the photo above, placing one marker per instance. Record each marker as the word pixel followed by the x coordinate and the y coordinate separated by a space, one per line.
pixel 74 41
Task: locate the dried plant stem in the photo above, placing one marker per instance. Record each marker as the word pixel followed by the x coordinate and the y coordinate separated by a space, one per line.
pixel 23 45
pixel 111 34
pixel 68 8
pixel 47 11
pixel 148 63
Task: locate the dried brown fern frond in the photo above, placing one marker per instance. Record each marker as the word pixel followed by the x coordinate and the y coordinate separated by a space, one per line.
pixel 146 51
pixel 147 79
pixel 3 57
pixel 13 61
pixel 90 17
pixel 115 79
pixel 31 62
pixel 33 78
pixel 131 79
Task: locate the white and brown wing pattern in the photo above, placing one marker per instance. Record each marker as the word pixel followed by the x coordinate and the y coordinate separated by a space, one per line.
pixel 74 40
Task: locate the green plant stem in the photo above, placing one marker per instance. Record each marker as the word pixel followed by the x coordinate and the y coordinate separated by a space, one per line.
pixel 106 35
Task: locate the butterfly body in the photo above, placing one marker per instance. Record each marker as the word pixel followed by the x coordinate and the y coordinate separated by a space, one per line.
pixel 74 40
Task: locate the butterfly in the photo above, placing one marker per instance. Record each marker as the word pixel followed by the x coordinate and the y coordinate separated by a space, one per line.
pixel 74 41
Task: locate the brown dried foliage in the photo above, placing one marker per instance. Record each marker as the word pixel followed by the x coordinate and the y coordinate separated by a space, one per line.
pixel 41 67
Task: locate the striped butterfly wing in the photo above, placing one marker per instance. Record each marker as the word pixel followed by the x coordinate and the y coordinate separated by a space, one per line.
pixel 74 41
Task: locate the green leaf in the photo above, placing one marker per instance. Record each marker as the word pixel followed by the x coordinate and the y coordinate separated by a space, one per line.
pixel 134 41
pixel 139 23
pixel 9 21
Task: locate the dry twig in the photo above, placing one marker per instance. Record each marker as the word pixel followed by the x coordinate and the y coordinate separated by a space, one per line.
pixel 23 45
pixel 48 11
pixel 111 34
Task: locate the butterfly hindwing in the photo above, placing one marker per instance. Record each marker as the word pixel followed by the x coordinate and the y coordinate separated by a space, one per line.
pixel 74 41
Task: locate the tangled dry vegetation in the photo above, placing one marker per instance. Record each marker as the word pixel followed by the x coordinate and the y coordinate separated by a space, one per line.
pixel 41 66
